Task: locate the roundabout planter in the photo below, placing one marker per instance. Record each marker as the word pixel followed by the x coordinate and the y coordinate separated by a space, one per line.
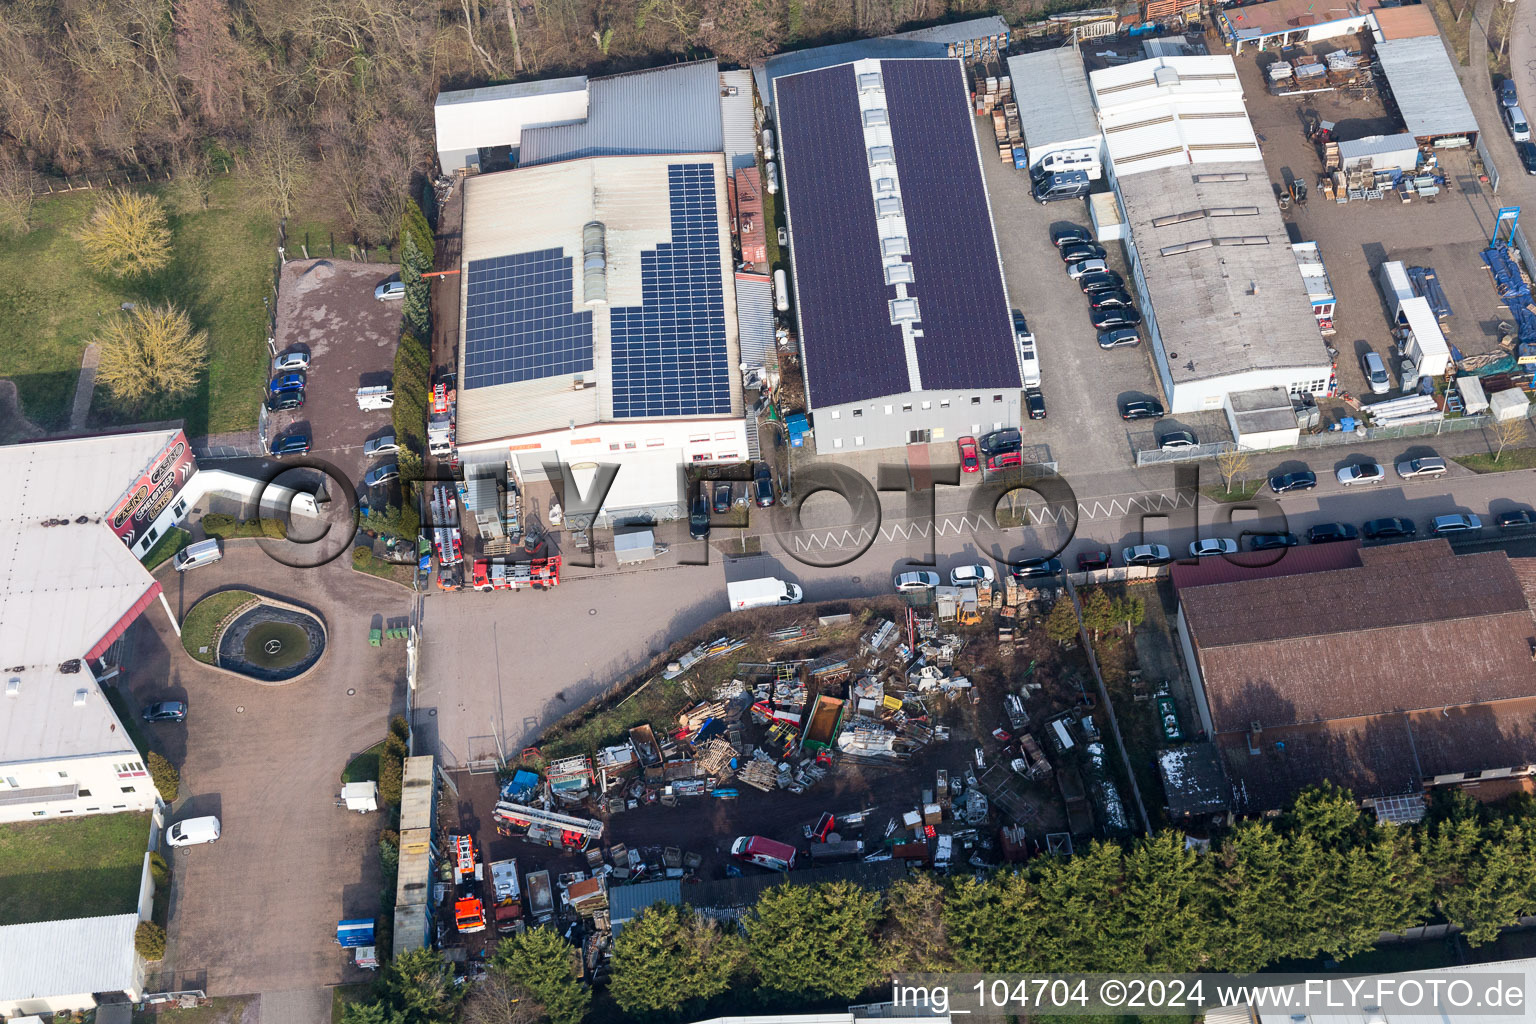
pixel 261 638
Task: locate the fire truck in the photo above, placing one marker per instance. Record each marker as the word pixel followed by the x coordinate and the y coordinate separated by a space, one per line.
pixel 447 540
pixel 540 573
pixel 440 421
pixel 547 827
pixel 468 911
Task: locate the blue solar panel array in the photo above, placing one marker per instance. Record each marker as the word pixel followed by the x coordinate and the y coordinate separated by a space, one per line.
pixel 669 354
pixel 520 324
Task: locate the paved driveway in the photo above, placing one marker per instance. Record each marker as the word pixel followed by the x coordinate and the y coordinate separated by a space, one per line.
pixel 256 912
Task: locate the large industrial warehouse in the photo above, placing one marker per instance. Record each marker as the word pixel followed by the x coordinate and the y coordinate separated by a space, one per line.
pixel 903 314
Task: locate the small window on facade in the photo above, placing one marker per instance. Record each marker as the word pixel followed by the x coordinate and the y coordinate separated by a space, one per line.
pixel 837 442
pixel 857 413
pixel 628 445
pixel 859 440
pixel 655 442
pixel 997 398
pixel 887 410
pixel 614 447
pixel 906 407
pixel 83 792
pixel 129 789
pixel 927 405
pixel 943 403
pixel 38 814
pixel 836 414
pixel 975 399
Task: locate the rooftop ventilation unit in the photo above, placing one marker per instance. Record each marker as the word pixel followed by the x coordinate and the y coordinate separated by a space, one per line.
pixel 876 117
pixel 80 696
pixel 594 264
pixel 1165 77
pixel 896 246
pixel 890 206
pixel 1226 176
pixel 885 184
pixel 904 311
pixel 881 155
pixel 871 81
pixel 901 273
pixel 13 686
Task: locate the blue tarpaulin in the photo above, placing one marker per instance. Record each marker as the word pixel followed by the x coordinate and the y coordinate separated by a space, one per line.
pixel 1516 295
pixel 356 932
pixel 522 783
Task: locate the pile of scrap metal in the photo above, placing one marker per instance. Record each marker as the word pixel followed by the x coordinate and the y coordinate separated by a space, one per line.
pixel 705 651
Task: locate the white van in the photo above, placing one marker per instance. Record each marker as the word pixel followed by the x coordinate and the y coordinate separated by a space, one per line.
pixel 194 555
pixel 193 832
pixel 1376 373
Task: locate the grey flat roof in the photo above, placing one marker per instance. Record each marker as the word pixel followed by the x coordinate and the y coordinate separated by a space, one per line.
pixel 512 90
pixel 1262 410
pixel 1425 86
pixel 1227 308
pixel 673 109
pixel 1051 89
pixel 924 42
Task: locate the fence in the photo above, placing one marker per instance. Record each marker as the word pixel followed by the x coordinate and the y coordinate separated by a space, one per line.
pixel 1157 457
pixel 1326 439
pixel 1489 167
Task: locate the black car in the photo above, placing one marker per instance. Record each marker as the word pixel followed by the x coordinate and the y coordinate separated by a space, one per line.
pixel 1142 409
pixel 698 519
pixel 1006 440
pixel 290 444
pixel 1074 252
pixel 166 711
pixel 1390 528
pixel 1090 560
pixel 1109 319
pixel 1034 401
pixel 762 480
pixel 1020 326
pixel 1527 154
pixel 1069 235
pixel 1516 519
pixel 1036 568
pixel 1117 299
pixel 1100 280
pixel 1272 541
pixel 1281 483
pixel 1329 533
pixel 722 497
pixel 285 400
pixel 1119 337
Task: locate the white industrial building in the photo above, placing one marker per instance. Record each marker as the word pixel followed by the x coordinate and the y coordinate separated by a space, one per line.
pixel 1055 106
pixel 472 124
pixel 598 326
pixel 1225 306
pixel 49 967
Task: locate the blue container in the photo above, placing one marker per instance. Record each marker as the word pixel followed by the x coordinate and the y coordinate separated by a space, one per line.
pixel 797 426
pixel 1021 158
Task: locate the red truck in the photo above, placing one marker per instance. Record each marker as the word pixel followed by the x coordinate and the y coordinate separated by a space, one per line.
pixel 764 852
pixel 540 572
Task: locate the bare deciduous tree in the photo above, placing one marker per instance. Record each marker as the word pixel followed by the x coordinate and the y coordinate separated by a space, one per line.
pixel 151 352
pixel 1507 433
pixel 496 999
pixel 1232 463
pixel 279 166
pixel 15 198
pixel 127 235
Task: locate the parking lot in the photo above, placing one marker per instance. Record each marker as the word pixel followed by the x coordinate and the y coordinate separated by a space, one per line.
pixel 1083 385
pixel 256 912
pixel 326 308
pixel 1445 232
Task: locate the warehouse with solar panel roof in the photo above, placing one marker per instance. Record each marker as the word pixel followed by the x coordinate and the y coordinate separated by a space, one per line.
pixel 904 318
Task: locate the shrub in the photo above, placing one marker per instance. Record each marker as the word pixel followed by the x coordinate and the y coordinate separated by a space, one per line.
pixel 165 777
pixel 159 870
pixel 128 235
pixel 149 941
pixel 398 726
pixel 392 769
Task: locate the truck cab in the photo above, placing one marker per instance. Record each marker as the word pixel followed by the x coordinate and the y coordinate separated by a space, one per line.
pixel 764 852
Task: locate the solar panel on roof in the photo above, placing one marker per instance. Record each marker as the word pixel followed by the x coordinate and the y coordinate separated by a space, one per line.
pixel 670 356
pixel 520 323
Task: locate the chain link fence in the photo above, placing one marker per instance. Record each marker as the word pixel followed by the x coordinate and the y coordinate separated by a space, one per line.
pixel 1326 439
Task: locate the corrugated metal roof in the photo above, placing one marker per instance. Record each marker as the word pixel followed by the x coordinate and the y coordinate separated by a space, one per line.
pixel 738 120
pixel 1425 86
pixel 924 42
pixel 1051 90
pixel 754 312
pixel 100 957
pixel 674 109
pixel 1376 145
pixel 626 901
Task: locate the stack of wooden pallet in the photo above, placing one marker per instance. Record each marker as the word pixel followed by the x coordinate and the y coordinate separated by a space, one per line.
pixel 762 772
pixel 715 758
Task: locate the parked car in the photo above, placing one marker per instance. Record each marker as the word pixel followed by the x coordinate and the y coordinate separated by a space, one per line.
pixel 971 576
pixel 1375 373
pixel 1142 409
pixel 193 831
pixel 384 445
pixel 1099 281
pixel 1004 460
pixel 1036 568
pixel 1020 325
pixel 1212 546
pixel 1119 298
pixel 698 518
pixel 1119 337
pixel 970 461
pixel 762 482
pixel 1004 440
pixel 1526 151
pixel 1283 483
pixel 722 503
pixel 290 444
pixel 390 290
pixel 1456 522
pixel 1271 541
pixel 1097 559
pixel 285 400
pixel 1517 519
pixel 1109 319
pixel 1329 533
pixel 1075 252
pixel 1389 528
pixel 1069 235
pixel 912 581
pixel 1034 403
pixel 1146 555
pixel 1508 97
pixel 1430 465
pixel 1368 472
pixel 1514 119
pixel 166 711
pixel 1077 270
pixel 290 361
pixel 381 475
pixel 1177 440
pixel 285 382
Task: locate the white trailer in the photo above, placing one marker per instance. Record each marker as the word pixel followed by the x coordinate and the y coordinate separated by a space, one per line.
pixel 1396 288
pixel 762 593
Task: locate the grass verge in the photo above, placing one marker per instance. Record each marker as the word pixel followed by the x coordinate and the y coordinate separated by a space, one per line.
pixel 197 630
pixel 219 1010
pixel 71 867
pixel 364 560
pixel 230 528
pixel 1511 460
pixel 174 540
pixel 1457 33
pixel 365 766
pixel 1239 491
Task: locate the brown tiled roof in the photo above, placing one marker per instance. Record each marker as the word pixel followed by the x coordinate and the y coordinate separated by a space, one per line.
pixel 1261 565
pixel 1525 572
pixel 1407 22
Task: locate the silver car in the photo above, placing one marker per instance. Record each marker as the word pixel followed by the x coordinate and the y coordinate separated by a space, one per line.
pixel 1147 554
pixel 910 581
pixel 1212 546
pixel 291 362
pixel 1455 523
pixel 1428 466
pixel 971 576
pixel 1362 473
pixel 385 445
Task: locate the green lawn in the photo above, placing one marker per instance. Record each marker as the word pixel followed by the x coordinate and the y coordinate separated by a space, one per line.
pixel 71 867
pixel 1241 491
pixel 205 616
pixel 365 766
pixel 174 540
pixel 220 269
pixel 1512 459
pixel 364 560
